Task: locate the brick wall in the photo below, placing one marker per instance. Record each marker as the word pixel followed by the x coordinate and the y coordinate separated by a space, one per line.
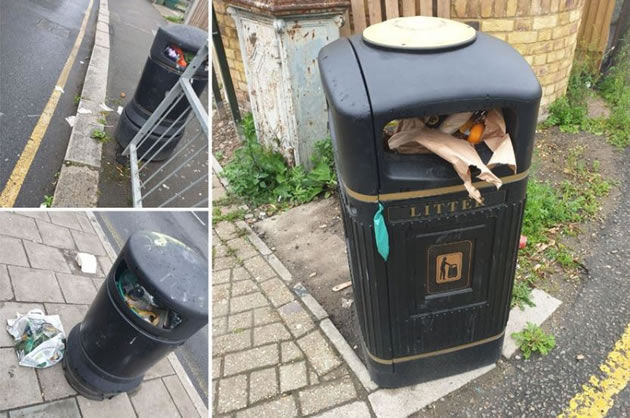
pixel 233 53
pixel 543 31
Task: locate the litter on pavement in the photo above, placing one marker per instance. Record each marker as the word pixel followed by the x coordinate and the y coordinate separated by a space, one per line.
pixel 39 339
pixel 341 286
pixel 87 262
pixel 143 304
pixel 71 120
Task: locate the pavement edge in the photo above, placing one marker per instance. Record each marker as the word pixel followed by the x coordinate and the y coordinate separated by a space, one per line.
pixel 172 358
pixel 77 185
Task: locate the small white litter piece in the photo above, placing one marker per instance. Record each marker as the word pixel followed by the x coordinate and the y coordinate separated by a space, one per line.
pixel 38 338
pixel 119 110
pixel 59 88
pixel 71 120
pixel 341 286
pixel 87 262
pixel 106 108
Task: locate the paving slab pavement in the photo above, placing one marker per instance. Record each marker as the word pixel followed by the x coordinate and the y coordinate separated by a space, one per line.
pixel 270 359
pixel 37 271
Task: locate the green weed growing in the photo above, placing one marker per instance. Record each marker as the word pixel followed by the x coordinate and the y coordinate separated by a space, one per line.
pixel 259 175
pixel 570 112
pixel 615 89
pixel 521 295
pixel 533 339
pixel 551 212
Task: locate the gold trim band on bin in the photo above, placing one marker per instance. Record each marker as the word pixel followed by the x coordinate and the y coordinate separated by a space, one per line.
pixel 429 192
pixel 434 353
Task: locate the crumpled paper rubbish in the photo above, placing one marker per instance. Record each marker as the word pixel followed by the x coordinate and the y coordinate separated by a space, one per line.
pixel 452 123
pixel 39 339
pixel 415 137
pixel 499 142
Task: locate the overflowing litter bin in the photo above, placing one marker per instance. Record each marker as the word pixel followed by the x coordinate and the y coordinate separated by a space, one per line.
pixel 173 48
pixel 153 300
pixel 419 113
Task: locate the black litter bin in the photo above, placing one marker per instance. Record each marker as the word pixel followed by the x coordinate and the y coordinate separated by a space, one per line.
pixel 440 302
pixel 153 300
pixel 161 71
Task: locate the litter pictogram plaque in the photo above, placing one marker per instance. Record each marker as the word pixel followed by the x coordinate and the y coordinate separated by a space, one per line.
pixel 449 266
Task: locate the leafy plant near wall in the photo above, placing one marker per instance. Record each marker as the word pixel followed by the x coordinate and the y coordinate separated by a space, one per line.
pixel 570 113
pixel 615 89
pixel 259 175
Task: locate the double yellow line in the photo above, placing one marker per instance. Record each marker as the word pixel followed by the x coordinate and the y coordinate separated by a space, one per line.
pixel 18 175
pixel 597 396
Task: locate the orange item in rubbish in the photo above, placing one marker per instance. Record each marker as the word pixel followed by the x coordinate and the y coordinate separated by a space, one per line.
pixel 475 133
pixel 180 61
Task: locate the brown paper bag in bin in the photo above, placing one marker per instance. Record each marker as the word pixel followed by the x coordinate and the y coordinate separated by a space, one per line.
pixel 458 152
pixel 410 147
pixel 496 138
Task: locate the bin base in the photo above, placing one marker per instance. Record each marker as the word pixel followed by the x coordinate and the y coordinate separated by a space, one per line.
pixel 432 368
pixel 87 378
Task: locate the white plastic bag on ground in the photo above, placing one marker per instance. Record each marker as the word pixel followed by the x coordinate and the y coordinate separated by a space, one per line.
pixel 39 339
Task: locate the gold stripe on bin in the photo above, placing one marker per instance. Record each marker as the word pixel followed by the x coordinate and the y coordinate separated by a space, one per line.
pixel 438 191
pixel 434 353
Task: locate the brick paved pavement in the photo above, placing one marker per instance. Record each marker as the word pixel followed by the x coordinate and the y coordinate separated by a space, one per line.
pixel 270 357
pixel 37 270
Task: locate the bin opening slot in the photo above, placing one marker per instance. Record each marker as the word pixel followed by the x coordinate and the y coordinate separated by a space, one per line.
pixel 458 138
pixel 142 303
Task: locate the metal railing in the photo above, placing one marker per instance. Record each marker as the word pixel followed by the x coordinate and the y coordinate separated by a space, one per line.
pixel 149 179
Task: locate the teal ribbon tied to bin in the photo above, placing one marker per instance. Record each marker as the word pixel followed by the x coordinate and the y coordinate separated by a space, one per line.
pixel 380 233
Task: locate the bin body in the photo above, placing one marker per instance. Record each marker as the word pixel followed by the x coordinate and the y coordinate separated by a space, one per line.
pixel 112 348
pixel 440 303
pixel 159 75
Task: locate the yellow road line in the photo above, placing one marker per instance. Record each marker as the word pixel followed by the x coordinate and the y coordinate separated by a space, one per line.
pixel 597 396
pixel 16 180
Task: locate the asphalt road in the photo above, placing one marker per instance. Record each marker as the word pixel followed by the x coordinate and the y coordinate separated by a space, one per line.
pixel 36 37
pixel 190 228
